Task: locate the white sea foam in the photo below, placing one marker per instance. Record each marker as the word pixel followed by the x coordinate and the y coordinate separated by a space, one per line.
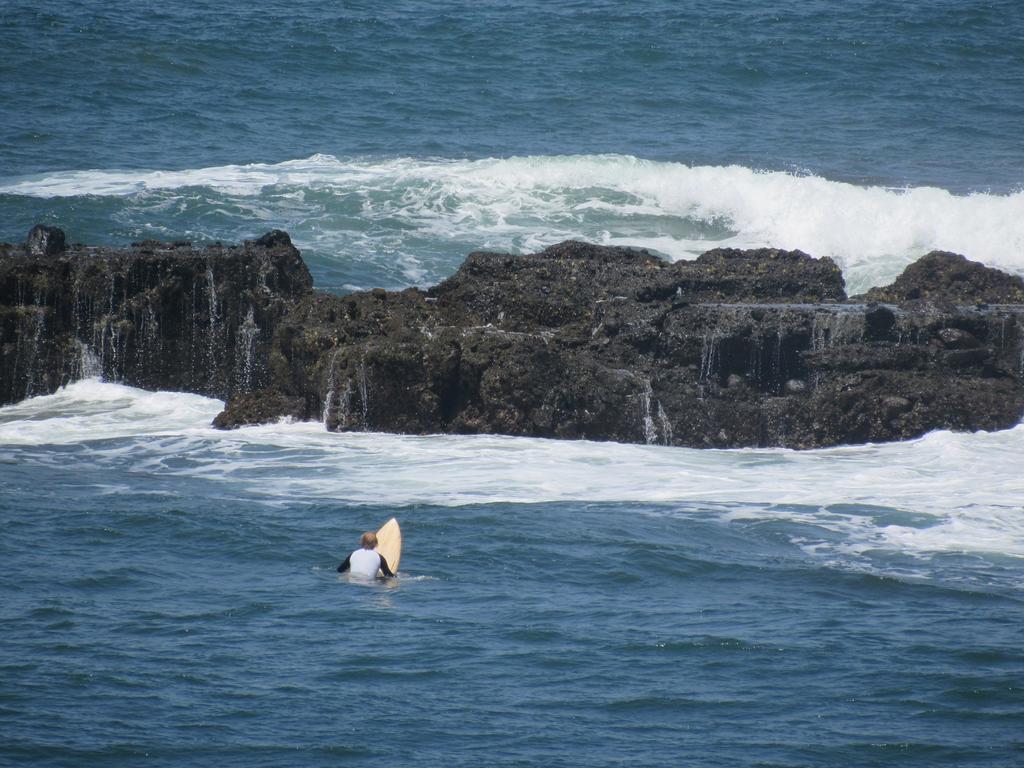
pixel 410 206
pixel 91 410
pixel 944 492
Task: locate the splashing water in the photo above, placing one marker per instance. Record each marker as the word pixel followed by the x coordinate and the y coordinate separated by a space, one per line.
pixel 404 221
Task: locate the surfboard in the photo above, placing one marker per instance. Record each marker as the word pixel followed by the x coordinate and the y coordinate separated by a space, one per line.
pixel 389 544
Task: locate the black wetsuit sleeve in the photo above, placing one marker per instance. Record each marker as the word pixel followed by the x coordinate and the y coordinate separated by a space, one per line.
pixel 384 566
pixel 345 566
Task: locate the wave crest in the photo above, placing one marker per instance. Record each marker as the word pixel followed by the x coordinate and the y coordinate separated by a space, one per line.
pixel 426 213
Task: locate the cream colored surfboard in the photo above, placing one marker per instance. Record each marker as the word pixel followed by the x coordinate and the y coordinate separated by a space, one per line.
pixel 389 544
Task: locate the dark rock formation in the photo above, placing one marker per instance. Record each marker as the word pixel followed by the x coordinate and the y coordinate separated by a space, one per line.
pixel 950 277
pixel 45 241
pixel 156 315
pixel 736 348
pixel 259 407
pixel 733 349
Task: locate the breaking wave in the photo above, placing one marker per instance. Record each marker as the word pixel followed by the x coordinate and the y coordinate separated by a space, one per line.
pixel 411 221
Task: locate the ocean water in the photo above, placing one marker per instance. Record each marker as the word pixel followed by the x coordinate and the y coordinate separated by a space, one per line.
pixel 168 595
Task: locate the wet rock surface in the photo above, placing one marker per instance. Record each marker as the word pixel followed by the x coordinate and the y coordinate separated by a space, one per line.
pixel 735 348
pixel 951 278
pixel 154 315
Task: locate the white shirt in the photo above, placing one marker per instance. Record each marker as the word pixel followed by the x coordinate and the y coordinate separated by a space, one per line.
pixel 364 562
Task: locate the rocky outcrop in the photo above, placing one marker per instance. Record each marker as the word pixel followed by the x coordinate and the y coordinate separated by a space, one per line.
pixel 735 348
pixel 155 315
pixel 951 278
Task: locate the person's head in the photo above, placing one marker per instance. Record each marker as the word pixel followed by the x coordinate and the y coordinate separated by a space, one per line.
pixel 369 540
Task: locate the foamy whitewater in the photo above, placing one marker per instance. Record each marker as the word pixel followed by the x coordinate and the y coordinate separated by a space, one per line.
pixel 169 594
pixel 168 583
pixel 415 220
pixel 919 497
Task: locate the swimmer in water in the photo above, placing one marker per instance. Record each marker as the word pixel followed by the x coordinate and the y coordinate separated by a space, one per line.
pixel 365 561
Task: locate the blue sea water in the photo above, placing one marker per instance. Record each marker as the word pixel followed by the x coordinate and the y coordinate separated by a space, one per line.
pixel 168 593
